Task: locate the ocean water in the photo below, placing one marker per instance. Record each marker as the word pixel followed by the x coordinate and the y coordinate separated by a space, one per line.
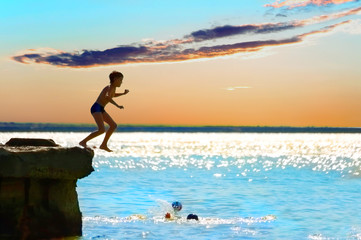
pixel 241 185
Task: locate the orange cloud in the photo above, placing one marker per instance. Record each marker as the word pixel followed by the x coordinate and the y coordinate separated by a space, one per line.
pixel 325 30
pixel 331 16
pixel 302 3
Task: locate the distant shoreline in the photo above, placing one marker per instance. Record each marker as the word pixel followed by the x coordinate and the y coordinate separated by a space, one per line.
pixel 59 127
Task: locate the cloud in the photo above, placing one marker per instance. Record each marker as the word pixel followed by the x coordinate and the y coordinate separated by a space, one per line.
pixel 325 29
pixel 238 87
pixel 226 31
pixel 142 54
pixel 353 28
pixel 264 28
pixel 302 3
pixel 332 16
pixel 253 46
pixel 117 55
pixel 150 51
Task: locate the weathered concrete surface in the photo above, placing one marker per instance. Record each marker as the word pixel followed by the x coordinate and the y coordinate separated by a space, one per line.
pixel 38 198
pixel 31 142
pixel 45 162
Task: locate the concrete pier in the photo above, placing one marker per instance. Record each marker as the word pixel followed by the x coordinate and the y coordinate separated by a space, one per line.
pixel 38 198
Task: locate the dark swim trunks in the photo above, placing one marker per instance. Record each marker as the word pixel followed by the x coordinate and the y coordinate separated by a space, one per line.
pixel 97 108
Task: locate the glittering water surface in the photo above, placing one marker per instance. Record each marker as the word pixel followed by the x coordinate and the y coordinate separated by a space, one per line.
pixel 242 186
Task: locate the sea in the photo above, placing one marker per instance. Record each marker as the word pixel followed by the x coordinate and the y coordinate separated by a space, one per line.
pixel 240 185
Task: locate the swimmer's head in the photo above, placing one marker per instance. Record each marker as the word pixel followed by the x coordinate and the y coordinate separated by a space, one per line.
pixel 192 217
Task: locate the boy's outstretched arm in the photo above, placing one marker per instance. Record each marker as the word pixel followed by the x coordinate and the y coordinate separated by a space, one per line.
pixel 121 94
pixel 116 104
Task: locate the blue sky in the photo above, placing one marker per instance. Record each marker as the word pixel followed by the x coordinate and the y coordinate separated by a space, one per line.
pixel 71 24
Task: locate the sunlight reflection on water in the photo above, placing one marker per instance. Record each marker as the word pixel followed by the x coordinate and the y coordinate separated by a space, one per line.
pixel 242 185
pixel 256 152
pixel 250 152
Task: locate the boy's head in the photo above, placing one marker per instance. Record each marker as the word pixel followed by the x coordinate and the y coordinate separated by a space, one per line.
pixel 115 75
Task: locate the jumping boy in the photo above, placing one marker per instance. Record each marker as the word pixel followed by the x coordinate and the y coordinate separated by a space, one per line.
pixel 100 115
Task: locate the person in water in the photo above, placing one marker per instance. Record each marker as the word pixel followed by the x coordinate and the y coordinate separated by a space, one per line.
pixel 100 115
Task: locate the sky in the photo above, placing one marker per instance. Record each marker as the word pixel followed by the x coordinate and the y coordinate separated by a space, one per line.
pixel 204 62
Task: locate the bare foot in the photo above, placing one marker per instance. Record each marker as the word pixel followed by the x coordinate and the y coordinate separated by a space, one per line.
pixel 83 144
pixel 105 148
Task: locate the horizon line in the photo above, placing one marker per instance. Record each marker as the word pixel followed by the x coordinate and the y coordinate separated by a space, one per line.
pixel 181 125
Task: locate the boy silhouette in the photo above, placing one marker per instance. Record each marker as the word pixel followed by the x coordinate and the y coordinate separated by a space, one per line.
pixel 100 115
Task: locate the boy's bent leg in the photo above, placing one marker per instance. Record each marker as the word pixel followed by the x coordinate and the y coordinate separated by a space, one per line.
pixel 112 127
pixel 98 117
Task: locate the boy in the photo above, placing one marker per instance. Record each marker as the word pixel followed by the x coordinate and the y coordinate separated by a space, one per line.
pixel 100 115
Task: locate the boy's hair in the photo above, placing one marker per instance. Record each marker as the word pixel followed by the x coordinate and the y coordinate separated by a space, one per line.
pixel 114 75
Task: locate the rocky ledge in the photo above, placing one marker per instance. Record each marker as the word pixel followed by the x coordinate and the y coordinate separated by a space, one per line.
pixel 38 198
